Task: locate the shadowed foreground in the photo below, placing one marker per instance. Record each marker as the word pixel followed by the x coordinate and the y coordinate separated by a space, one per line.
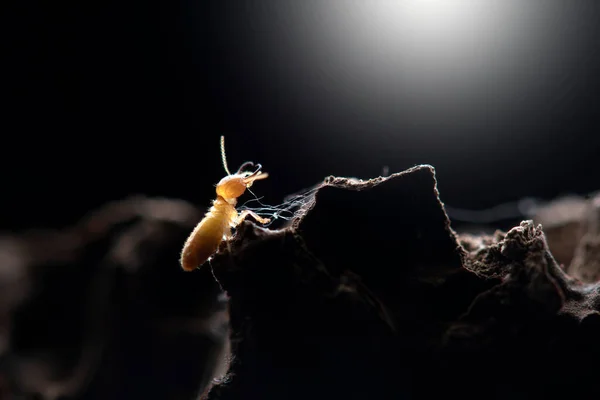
pixel 368 293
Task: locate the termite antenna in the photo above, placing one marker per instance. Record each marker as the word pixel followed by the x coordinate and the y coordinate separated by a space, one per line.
pixel 223 155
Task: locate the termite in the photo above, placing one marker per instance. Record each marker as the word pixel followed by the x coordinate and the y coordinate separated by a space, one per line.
pixel 216 225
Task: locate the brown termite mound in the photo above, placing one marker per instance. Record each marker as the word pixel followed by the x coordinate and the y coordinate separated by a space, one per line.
pixel 369 293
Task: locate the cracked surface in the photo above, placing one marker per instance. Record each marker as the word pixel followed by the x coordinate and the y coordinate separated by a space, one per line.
pixel 454 313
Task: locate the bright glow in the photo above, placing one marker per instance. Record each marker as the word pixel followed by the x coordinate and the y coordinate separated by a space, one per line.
pixel 427 21
pixel 437 63
pixel 432 54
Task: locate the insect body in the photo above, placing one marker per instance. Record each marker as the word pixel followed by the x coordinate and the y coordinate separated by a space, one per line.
pixel 216 226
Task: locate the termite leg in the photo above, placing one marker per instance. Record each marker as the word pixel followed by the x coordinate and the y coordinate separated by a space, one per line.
pixel 245 213
pixel 226 236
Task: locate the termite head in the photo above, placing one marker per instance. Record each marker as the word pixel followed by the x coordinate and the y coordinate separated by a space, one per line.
pixel 233 186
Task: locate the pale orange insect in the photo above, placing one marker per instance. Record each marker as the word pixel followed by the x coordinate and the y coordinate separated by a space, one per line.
pixel 216 225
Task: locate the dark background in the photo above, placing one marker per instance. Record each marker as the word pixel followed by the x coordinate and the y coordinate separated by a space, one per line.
pixel 103 100
pixel 108 99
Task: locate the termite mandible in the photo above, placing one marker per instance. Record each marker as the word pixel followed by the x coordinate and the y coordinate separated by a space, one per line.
pixel 216 225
